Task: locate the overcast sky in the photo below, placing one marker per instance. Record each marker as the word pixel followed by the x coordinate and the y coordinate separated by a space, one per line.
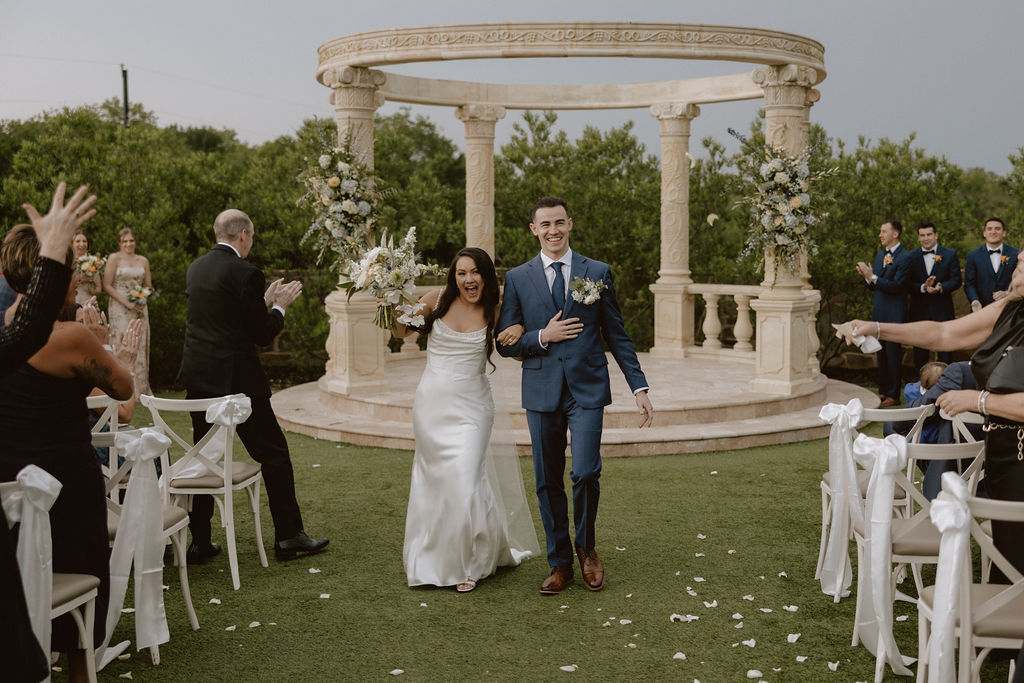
pixel 948 69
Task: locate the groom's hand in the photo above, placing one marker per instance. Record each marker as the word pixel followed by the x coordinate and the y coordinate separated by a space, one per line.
pixel 558 330
pixel 646 409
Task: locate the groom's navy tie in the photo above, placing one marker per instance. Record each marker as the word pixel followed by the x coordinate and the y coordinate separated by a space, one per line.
pixel 558 287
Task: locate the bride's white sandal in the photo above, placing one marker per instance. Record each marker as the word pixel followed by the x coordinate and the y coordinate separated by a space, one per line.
pixel 466 586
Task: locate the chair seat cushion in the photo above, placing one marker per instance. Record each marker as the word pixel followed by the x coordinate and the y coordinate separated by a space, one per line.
pixel 240 471
pixel 1005 622
pixel 69 586
pixel 914 537
pixel 863 477
pixel 172 515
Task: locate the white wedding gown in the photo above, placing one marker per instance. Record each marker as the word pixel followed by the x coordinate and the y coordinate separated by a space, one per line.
pixel 467 508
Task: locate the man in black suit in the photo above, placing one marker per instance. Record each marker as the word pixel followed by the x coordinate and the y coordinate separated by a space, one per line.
pixel 934 275
pixel 887 279
pixel 227 317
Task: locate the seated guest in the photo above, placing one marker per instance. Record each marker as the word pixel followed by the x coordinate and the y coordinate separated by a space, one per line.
pixel 44 420
pixel 21 654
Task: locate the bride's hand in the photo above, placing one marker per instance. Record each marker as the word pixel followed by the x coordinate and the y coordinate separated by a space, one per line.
pixel 511 334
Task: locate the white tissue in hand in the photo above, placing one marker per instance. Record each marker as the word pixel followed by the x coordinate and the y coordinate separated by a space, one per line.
pixel 866 343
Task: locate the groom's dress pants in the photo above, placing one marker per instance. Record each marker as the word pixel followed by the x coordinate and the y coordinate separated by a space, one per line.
pixel 548 437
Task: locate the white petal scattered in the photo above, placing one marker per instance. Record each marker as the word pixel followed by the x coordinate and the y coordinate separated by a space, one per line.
pixel 714 471
pixel 678 573
pixel 735 645
pixel 776 669
pixel 833 665
pixel 902 617
pixel 754 673
pixel 731 551
pixel 761 577
pixel 254 624
pixel 316 464
pixel 709 605
pixel 712 217
pixel 679 617
pixel 629 595
pixel 620 549
pixel 214 601
pixel 230 628
pixel 127 610
pixel 337 446
pixel 699 579
pixel 739 624
pixel 625 621
pixel 125 657
pixel 750 643
pixel 766 610
pixel 793 637
pixel 737 615
pixel 690 591
pixel 698 554
pixel 748 597
pixel 396 672
pixel 56 668
pixel 679 655
pixel 790 608
pixel 423 604
pixel 570 668
pixel 784 575
pixel 324 596
pixel 314 570
pixel 801 658
pixel 631 645
pixel 598 609
pixel 126 674
pixel 167 588
pixel 701 536
pixel 271 623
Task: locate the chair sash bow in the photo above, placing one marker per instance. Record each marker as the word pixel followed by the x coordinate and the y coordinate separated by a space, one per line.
pixel 28 500
pixel 836 571
pixel 952 516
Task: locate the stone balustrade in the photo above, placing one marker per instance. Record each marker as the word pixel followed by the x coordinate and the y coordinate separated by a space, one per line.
pixel 743 328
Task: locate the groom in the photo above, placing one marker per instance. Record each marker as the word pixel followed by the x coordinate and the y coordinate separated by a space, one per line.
pixel 565 383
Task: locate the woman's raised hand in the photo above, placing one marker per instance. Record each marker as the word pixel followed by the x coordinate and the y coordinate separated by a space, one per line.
pixel 128 345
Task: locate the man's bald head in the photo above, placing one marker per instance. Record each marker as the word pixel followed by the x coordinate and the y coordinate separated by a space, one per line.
pixel 229 224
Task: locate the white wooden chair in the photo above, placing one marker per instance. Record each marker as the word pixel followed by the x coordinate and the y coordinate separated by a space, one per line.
pixel 48 595
pixel 107 419
pixel 979 615
pixel 201 471
pixel 829 480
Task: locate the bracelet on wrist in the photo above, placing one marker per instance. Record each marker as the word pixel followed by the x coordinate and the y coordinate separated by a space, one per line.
pixel 878 330
pixel 982 397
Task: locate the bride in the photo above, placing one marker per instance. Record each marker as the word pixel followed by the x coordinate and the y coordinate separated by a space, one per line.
pixel 467 509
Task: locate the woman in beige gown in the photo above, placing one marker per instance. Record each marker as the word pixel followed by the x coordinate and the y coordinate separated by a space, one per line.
pixel 86 287
pixel 126 270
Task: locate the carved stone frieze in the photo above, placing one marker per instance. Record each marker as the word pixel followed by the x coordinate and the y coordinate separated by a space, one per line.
pixel 674 110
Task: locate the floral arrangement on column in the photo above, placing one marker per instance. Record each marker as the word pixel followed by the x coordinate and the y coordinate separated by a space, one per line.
pixel 781 214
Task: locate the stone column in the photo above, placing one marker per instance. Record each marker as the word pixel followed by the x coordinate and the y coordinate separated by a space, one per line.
pixel 356 348
pixel 673 305
pixel 479 120
pixel 785 312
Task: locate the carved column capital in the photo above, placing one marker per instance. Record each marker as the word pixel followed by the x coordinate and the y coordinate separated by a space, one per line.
pixel 479 112
pixel 812 96
pixel 785 74
pixel 674 110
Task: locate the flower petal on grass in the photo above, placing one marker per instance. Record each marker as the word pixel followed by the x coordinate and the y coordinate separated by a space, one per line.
pixel 324 596
pixel 748 597
pixel 902 617
pixel 793 637
pixel 423 604
pixel 620 549
pixel 714 471
pixel 125 657
pixel 679 656
pixel 737 615
pixel 739 624
pixel 625 621
pixel 754 673
pixel 701 536
pixel 314 570
pixel 631 645
pixel 833 665
pixel 766 610
pixel 254 624
pixel 629 595
pixel 316 464
pixel 214 601
pixel 698 554
pixel 709 605
pixel 570 668
pixel 750 643
pixel 126 674
pixel 396 672
pixel 784 575
pixel 127 610
pixel 801 658
pixel 230 628
pixel 712 217
pixel 790 608
pixel 691 592
pixel 699 579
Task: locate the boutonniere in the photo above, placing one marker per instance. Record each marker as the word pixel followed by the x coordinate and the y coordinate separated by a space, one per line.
pixel 938 258
pixel 887 261
pixel 1004 259
pixel 585 290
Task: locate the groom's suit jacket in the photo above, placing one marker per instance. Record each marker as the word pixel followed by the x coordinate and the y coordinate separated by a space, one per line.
pixel 581 362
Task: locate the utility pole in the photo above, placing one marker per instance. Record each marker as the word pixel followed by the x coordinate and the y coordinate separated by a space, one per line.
pixel 124 81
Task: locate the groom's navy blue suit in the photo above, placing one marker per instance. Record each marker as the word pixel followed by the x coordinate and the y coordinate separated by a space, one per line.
pixel 565 386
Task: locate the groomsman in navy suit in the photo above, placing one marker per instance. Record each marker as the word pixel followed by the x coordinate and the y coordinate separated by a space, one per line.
pixel 887 278
pixel 565 383
pixel 989 267
pixel 934 276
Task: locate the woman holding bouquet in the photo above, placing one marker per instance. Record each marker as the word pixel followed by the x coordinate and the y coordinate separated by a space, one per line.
pixel 126 279
pixel 86 275
pixel 467 510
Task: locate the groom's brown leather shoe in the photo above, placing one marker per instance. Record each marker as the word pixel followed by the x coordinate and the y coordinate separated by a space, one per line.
pixel 559 579
pixel 591 568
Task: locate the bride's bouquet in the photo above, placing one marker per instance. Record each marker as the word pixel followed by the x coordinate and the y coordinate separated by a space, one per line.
pixel 89 265
pixel 389 273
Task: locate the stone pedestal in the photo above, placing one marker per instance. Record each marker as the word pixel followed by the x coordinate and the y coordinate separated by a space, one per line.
pixel 356 347
pixel 479 120
pixel 673 306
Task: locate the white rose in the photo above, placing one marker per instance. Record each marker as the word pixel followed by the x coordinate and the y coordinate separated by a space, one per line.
pixel 349 206
pixel 324 160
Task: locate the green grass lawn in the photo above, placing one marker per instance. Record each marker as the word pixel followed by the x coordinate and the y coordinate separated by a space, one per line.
pixel 724 526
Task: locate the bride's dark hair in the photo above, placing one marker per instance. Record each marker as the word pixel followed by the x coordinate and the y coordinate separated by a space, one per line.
pixel 488 297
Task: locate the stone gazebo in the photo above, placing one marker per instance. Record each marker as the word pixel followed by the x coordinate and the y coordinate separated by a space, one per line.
pixel 775 375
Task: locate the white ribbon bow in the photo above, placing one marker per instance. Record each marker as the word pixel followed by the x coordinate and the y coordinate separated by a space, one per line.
pixel 952 516
pixel 836 571
pixel 885 457
pixel 139 541
pixel 233 410
pixel 28 500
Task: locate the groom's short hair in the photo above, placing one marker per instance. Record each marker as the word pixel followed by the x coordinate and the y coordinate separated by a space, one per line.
pixel 547 203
